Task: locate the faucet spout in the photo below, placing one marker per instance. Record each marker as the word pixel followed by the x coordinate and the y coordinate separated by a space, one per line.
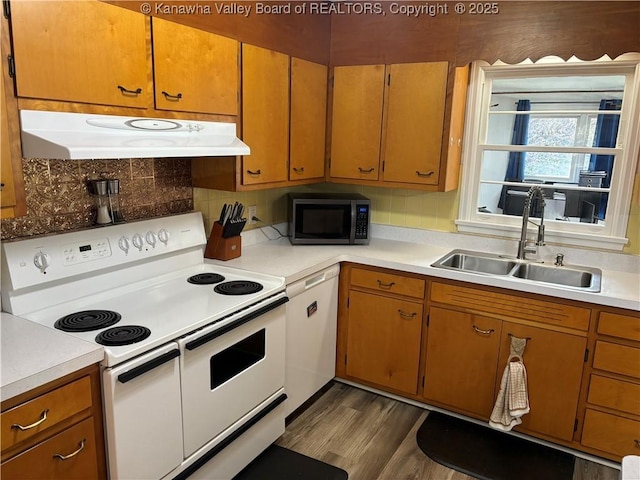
pixel 524 246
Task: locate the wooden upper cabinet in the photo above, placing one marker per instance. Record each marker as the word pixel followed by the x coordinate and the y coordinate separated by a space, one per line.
pixel 7 187
pixel 356 125
pixel 308 119
pixel 194 70
pixel 398 125
pixel 414 122
pixel 87 52
pixel 265 115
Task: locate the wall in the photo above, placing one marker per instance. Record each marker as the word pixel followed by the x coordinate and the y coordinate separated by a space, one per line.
pixel 396 207
pixel 58 199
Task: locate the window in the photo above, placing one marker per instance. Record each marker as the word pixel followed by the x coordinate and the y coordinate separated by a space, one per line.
pixel 570 127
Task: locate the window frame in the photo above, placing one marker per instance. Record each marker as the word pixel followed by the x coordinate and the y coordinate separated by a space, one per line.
pixel 611 235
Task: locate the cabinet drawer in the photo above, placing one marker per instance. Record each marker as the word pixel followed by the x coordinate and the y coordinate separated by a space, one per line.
pixel 617 359
pixel 76 443
pixel 512 306
pixel 616 394
pixel 59 404
pixel 610 433
pixel 622 326
pixel 388 282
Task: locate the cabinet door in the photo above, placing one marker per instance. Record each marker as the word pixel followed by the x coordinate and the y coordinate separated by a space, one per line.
pixel 308 119
pixel 554 364
pixel 69 455
pixel 414 122
pixel 7 188
pixel 89 52
pixel 265 115
pixel 462 360
pixel 195 71
pixel 383 341
pixel 356 125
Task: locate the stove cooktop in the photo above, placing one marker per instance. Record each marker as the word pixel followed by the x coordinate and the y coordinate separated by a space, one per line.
pixel 168 307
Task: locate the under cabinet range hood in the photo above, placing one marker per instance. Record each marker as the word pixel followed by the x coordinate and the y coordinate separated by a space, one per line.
pixel 61 135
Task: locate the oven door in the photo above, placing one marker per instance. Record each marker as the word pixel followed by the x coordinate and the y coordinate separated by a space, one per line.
pixel 229 368
pixel 143 415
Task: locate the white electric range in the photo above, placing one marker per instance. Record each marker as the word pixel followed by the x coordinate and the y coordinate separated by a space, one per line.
pixel 193 371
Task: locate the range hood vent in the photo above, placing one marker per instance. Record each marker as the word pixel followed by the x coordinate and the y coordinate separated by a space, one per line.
pixel 61 135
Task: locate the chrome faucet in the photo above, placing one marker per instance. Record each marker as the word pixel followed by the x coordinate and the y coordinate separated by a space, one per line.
pixel 525 246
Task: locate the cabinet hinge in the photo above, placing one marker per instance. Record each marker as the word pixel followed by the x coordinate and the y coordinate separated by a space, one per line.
pixel 423 381
pixel 345 359
pixel 389 79
pixel 12 66
pixel 348 299
pixel 6 9
pixel 586 354
pixel 383 162
pixel 427 320
pixel 575 425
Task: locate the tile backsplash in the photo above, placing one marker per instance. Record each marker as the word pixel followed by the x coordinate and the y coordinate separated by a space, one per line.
pixel 58 199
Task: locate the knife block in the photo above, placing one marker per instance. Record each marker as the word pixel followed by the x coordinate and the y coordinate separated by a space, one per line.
pixel 221 248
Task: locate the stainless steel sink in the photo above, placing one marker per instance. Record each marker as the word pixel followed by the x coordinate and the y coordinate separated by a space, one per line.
pixel 579 277
pixel 473 262
pixel 574 277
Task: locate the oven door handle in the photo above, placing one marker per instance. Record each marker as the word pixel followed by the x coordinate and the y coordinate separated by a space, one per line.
pixel 146 367
pixel 193 344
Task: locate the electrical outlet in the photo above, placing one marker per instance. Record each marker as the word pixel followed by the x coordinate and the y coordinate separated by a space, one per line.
pixel 251 212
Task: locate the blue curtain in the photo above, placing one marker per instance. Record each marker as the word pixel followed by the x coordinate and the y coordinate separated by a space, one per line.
pixel 605 136
pixel 515 167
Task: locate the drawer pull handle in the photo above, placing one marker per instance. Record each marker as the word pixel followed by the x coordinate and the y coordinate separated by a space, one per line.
pixel 256 172
pixel 483 332
pixel 72 454
pixel 174 98
pixel 43 417
pixel 126 91
pixel 427 174
pixel 381 284
pixel 366 170
pixel 298 170
pixel 637 442
pixel 406 315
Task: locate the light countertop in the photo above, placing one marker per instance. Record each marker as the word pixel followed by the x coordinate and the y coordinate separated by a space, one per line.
pixel 278 257
pixel 33 355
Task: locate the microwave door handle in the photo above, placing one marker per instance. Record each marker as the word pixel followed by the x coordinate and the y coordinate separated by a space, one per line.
pixel 352 232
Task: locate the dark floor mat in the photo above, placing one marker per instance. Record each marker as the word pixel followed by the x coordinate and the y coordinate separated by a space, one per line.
pixel 278 463
pixel 489 454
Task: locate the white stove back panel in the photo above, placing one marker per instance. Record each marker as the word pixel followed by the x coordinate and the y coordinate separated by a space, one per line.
pixel 37 261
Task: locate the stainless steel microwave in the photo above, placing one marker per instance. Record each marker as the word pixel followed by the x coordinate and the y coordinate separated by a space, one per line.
pixel 325 218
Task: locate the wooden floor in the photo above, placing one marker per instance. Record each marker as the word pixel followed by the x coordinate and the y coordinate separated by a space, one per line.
pixel 373 438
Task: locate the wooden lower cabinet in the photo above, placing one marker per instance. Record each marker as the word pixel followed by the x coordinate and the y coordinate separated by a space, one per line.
pixel 383 341
pixel 554 363
pixel 61 436
pixel 69 455
pixel 462 361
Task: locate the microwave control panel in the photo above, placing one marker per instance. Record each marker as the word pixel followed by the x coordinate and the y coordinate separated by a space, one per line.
pixel 362 221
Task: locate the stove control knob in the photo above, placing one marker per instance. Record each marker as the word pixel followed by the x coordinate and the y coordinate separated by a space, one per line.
pixel 137 241
pixel 124 244
pixel 150 237
pixel 41 260
pixel 163 235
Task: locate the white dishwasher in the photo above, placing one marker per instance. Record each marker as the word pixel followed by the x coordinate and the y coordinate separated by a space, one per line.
pixel 312 316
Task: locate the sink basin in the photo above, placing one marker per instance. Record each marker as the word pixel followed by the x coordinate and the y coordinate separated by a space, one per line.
pixel 472 262
pixel 574 277
pixel 582 277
